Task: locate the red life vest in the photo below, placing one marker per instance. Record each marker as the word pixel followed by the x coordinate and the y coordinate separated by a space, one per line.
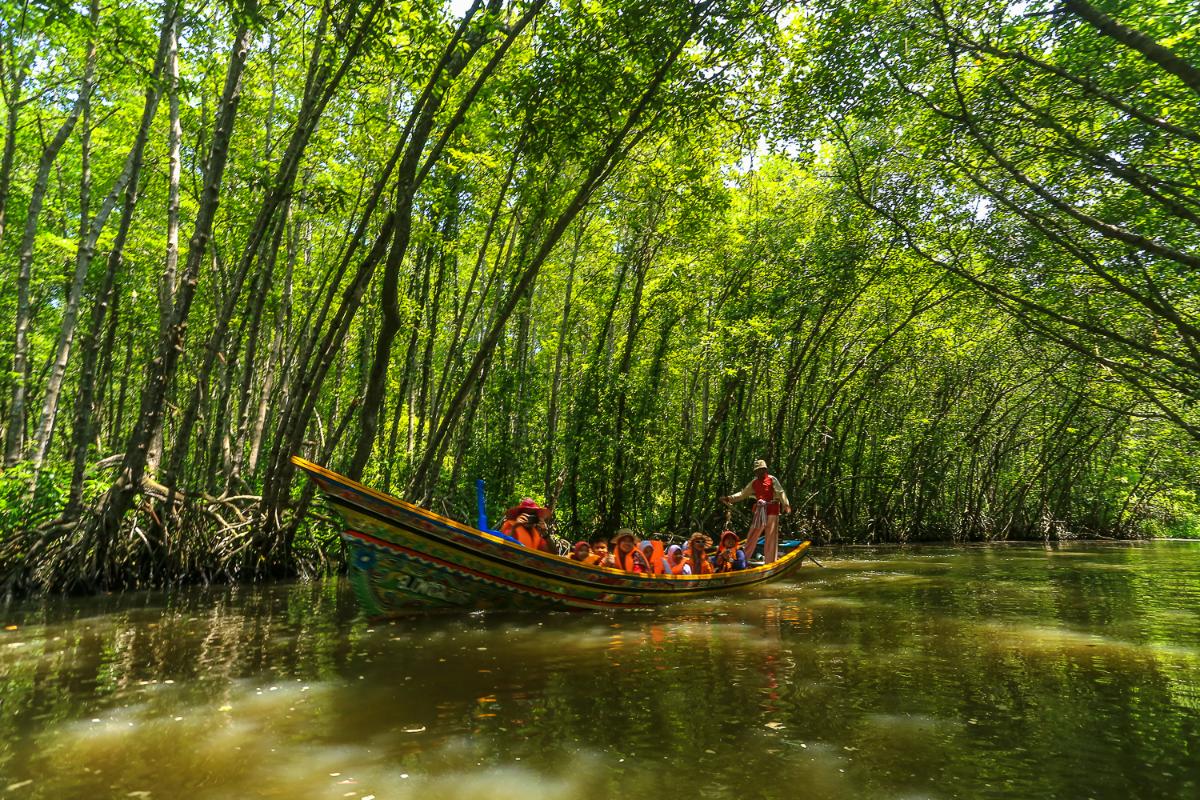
pixel 765 490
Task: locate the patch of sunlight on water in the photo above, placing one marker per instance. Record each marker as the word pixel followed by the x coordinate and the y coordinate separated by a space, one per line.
pixel 877 577
pixel 259 745
pixel 902 727
pixel 1035 637
pixel 838 601
pixel 1038 638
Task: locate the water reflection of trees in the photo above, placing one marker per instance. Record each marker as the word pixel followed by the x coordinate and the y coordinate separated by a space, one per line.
pixel 1025 673
pixel 77 658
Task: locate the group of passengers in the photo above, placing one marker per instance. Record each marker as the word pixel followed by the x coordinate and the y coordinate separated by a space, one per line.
pixel 654 557
pixel 526 524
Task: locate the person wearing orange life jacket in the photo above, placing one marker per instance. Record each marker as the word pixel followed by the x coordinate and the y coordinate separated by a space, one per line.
pixel 526 522
pixel 582 551
pixel 652 549
pixel 626 556
pixel 730 555
pixel 697 555
pixel 770 499
pixel 600 556
pixel 674 563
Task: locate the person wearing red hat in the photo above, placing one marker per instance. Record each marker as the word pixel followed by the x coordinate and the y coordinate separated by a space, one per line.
pixel 526 522
pixel 770 500
pixel 730 555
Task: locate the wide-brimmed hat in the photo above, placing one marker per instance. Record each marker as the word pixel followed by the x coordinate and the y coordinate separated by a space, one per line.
pixel 760 464
pixel 700 537
pixel 527 506
pixel 623 533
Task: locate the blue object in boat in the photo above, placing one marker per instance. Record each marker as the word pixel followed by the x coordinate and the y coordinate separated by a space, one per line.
pixel 481 508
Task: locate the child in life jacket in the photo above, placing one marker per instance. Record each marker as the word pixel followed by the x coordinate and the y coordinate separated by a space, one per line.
pixel 729 556
pixel 652 549
pixel 600 556
pixel 582 551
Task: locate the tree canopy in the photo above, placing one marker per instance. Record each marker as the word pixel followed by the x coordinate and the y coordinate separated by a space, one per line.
pixel 935 260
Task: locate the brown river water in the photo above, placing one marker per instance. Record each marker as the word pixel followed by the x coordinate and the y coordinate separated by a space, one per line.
pixel 1016 671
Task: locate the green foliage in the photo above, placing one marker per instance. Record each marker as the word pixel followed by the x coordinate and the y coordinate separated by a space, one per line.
pixel 22 511
pixel 932 259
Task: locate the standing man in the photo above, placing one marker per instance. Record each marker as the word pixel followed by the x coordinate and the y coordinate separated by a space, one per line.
pixel 770 499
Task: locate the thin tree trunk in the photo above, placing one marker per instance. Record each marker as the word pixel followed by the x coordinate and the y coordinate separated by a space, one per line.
pixel 15 442
pixel 619 146
pixel 161 371
pixel 169 283
pixel 556 381
pixel 13 103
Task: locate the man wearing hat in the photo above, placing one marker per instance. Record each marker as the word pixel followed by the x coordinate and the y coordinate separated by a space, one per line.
pixel 770 499
pixel 526 522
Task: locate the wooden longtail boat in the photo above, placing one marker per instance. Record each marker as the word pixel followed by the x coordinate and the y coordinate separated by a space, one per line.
pixel 403 557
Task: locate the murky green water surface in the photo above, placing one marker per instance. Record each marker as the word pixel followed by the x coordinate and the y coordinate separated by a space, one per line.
pixel 1007 671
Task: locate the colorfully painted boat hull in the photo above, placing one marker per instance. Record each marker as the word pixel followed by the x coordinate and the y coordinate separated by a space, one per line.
pixel 404 557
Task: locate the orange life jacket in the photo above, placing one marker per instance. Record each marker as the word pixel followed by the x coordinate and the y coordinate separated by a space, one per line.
pixel 527 535
pixel 704 567
pixel 729 559
pixel 656 557
pixel 677 569
pixel 628 561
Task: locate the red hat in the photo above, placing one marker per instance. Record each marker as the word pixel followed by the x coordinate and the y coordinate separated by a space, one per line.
pixel 725 535
pixel 527 505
